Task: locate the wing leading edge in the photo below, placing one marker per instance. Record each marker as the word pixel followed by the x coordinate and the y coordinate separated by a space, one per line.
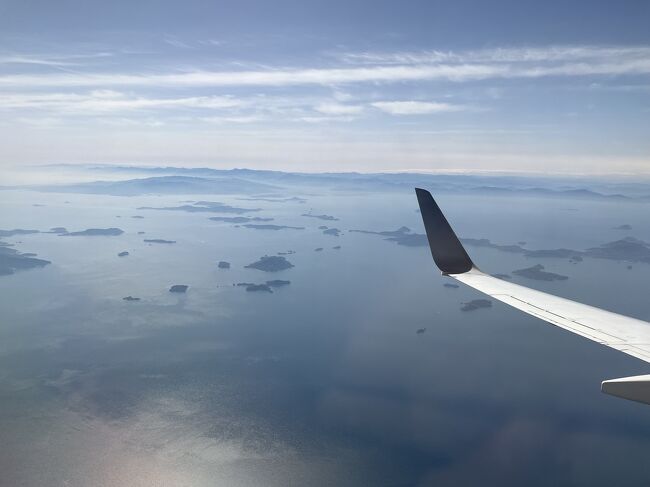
pixel 628 335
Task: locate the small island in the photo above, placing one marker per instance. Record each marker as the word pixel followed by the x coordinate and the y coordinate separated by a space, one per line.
pixel 159 241
pixel 401 236
pixel 16 231
pixel 270 263
pixel 264 287
pixel 130 298
pixel 507 277
pixel 420 331
pixel 11 260
pixel 203 207
pixel 318 249
pixel 538 273
pixel 335 232
pixel 476 304
pixel 258 288
pixel 275 199
pixel 329 218
pixel 267 226
pixel 94 232
pixel 288 252
pixel 277 283
pixel 239 219
pixel 627 249
pixel 123 254
pixel 178 288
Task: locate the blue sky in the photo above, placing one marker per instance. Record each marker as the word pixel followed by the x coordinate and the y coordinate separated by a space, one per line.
pixel 455 86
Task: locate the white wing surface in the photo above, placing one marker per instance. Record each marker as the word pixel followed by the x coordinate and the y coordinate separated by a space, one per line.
pixel 622 333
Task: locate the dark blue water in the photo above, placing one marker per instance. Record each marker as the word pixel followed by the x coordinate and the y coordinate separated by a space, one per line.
pixel 325 381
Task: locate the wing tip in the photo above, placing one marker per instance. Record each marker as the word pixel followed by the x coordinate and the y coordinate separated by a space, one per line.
pixel 635 388
pixel 447 251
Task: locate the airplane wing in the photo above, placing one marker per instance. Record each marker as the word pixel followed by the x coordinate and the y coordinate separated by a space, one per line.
pixel 622 333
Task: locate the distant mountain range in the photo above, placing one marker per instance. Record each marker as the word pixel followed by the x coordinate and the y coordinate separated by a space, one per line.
pixel 163 185
pixel 178 180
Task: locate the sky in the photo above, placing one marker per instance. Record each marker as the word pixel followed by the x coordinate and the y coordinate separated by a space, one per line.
pixel 521 86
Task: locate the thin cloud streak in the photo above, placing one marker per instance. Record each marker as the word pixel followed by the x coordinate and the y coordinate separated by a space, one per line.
pixel 109 101
pixel 518 64
pixel 53 61
pixel 416 107
pixel 338 109
pixel 500 55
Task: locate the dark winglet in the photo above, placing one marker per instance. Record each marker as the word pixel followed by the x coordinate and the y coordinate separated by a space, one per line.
pixel 446 249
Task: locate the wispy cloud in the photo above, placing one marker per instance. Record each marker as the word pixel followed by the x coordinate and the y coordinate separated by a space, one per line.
pixel 338 109
pixel 109 101
pixel 379 68
pixel 296 113
pixel 233 119
pixel 175 42
pixel 416 107
pixel 49 60
pixel 500 55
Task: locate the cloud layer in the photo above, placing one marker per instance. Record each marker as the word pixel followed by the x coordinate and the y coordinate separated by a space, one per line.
pixel 434 108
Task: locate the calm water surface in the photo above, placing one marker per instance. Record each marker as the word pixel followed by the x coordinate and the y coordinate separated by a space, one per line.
pixel 325 381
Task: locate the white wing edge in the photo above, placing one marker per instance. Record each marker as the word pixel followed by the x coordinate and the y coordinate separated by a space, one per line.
pixel 623 333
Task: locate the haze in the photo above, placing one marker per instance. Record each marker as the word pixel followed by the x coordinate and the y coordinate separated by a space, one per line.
pixel 213 269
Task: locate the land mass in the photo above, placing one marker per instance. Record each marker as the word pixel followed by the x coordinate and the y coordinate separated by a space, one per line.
pixel 258 287
pixel 239 219
pixel 16 231
pixel 162 185
pixel 11 260
pixel 476 304
pixel 265 287
pixel 271 263
pixel 178 288
pixel 159 240
pixel 538 273
pixel 279 199
pixel 329 218
pixel 203 207
pixel 94 232
pixel 627 249
pixel 267 226
pixel 277 283
pixel 401 236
